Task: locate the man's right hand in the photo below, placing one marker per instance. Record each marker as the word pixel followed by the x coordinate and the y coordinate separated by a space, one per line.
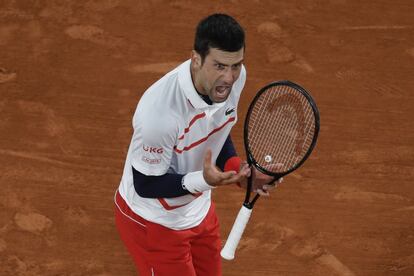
pixel 215 177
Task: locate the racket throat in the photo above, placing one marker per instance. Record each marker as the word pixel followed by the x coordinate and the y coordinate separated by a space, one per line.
pixel 247 203
pixel 249 187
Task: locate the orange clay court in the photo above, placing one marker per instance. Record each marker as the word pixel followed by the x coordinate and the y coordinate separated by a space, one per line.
pixel 72 72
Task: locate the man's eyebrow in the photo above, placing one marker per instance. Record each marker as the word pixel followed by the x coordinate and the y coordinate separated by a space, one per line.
pixel 240 62
pixel 219 63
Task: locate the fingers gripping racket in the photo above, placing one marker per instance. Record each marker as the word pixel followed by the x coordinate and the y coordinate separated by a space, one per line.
pixel 280 132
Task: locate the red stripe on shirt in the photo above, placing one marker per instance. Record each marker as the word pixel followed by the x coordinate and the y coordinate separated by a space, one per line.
pixel 187 148
pixel 169 208
pixel 187 129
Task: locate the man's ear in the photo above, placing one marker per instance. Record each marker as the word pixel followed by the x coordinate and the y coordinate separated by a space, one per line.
pixel 196 59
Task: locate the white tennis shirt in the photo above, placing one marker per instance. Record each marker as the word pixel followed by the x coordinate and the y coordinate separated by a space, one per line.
pixel 173 128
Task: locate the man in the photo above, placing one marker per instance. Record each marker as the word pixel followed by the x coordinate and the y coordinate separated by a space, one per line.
pixel 179 152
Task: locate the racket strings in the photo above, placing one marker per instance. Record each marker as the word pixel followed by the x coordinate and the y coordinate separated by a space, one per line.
pixel 277 135
pixel 299 143
pixel 287 140
pixel 281 128
pixel 292 143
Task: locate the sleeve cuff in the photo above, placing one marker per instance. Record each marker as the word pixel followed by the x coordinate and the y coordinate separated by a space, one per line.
pixel 194 182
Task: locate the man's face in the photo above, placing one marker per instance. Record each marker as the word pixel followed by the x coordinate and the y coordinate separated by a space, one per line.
pixel 215 77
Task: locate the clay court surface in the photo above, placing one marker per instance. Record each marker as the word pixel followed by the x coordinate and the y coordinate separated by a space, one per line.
pixel 72 72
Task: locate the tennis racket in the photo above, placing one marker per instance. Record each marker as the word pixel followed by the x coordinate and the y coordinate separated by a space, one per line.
pixel 280 132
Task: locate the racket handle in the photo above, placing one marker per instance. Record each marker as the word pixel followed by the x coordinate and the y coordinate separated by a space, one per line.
pixel 235 234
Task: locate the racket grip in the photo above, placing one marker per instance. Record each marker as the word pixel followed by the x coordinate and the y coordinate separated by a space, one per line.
pixel 235 234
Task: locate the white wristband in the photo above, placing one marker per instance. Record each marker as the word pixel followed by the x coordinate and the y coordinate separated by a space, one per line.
pixel 194 182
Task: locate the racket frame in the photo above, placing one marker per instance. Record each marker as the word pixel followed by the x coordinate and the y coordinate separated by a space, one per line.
pixel 251 161
pixel 243 216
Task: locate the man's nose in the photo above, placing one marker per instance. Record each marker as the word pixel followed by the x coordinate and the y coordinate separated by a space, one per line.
pixel 228 77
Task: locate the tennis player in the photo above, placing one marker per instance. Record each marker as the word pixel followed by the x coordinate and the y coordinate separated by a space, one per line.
pixel 180 151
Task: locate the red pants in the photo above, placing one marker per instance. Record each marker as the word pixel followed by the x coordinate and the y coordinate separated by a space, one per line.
pixel 159 251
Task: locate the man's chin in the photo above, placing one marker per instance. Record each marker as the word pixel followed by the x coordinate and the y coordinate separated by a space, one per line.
pixel 220 99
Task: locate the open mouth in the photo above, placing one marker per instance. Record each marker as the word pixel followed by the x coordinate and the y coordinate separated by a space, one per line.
pixel 222 91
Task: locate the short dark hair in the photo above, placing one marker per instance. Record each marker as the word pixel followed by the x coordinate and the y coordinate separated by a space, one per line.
pixel 219 31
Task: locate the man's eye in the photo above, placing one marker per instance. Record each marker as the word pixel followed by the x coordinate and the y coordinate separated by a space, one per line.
pixel 236 66
pixel 220 66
